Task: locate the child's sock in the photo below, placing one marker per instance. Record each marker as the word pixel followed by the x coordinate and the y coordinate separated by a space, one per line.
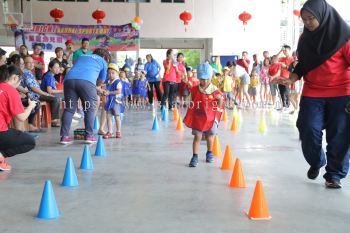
pixel 195 155
pixel 209 151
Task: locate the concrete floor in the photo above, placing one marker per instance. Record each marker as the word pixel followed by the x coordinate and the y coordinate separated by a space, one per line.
pixel 144 184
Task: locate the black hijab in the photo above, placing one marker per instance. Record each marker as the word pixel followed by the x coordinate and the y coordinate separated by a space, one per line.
pixel 315 47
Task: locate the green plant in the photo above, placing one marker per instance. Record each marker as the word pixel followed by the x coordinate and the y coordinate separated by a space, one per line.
pixel 192 56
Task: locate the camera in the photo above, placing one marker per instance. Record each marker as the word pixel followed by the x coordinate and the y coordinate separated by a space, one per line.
pixel 25 103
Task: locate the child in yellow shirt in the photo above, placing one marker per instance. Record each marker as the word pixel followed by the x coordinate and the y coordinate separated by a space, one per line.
pixel 228 86
pixel 254 83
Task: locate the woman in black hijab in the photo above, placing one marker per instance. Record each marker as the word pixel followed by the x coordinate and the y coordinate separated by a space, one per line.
pixel 324 64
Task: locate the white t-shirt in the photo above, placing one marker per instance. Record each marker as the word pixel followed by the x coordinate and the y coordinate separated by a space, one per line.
pixel 239 71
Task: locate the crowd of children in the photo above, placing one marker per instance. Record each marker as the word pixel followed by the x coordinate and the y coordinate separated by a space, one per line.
pixel 258 89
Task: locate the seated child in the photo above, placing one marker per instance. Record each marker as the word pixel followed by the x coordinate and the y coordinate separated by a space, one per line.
pixel 114 101
pixel 204 112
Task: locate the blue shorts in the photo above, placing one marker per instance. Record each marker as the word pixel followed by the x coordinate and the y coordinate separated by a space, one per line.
pixel 245 79
pixel 212 131
pixel 273 89
pixel 116 110
pixel 229 95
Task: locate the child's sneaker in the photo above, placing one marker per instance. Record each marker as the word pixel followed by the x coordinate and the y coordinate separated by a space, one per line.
pixel 118 135
pixel 107 135
pixel 4 166
pixel 90 139
pixel 194 161
pixel 65 140
pixel 209 157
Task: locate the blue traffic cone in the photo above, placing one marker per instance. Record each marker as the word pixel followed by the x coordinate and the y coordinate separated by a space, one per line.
pixel 86 161
pixel 155 126
pixel 96 124
pixel 100 148
pixel 48 207
pixel 70 178
pixel 164 114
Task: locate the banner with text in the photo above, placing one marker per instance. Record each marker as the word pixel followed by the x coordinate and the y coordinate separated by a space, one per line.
pixel 51 36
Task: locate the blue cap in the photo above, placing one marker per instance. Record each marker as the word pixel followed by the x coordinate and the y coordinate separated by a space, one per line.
pixel 204 71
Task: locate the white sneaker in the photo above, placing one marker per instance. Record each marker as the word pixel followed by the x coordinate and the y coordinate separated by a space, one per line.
pixel 286 110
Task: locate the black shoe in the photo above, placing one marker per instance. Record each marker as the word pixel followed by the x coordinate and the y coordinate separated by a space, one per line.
pixel 333 184
pixel 312 173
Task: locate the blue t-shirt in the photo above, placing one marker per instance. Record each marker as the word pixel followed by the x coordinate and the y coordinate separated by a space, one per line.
pixel 88 67
pixel 114 99
pixel 152 69
pixel 48 81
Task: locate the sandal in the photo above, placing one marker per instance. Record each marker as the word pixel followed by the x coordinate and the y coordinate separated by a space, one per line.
pixel 101 132
pixel 107 135
pixel 39 130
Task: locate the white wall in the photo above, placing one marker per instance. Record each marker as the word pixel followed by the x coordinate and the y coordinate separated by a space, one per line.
pixel 217 19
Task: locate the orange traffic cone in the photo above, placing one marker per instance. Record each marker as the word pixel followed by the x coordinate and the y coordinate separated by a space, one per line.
pixel 216 147
pixel 179 126
pixel 175 114
pixel 258 208
pixel 224 116
pixel 237 179
pixel 234 125
pixel 227 162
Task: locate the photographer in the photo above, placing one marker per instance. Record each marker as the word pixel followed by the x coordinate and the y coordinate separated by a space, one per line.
pixel 12 141
pixel 18 61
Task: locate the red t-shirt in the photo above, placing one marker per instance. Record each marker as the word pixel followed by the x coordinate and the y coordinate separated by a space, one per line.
pixel 192 82
pixel 39 59
pixel 170 73
pixel 10 105
pixel 332 78
pixel 240 62
pixel 287 61
pixel 274 68
pixel 181 70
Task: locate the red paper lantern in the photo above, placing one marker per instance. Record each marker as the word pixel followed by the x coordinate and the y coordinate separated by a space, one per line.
pixel 245 17
pixel 57 14
pixel 296 13
pixel 186 17
pixel 99 15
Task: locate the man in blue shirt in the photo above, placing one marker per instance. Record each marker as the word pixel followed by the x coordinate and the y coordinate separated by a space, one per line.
pixel 82 82
pixel 35 93
pixel 152 69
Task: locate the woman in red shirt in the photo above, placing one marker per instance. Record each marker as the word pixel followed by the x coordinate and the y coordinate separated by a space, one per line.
pixel 12 141
pixel 169 79
pixel 181 73
pixel 324 64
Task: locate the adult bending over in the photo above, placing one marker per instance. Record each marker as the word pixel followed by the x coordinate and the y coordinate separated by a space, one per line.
pixel 324 63
pixel 80 82
pixel 12 141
